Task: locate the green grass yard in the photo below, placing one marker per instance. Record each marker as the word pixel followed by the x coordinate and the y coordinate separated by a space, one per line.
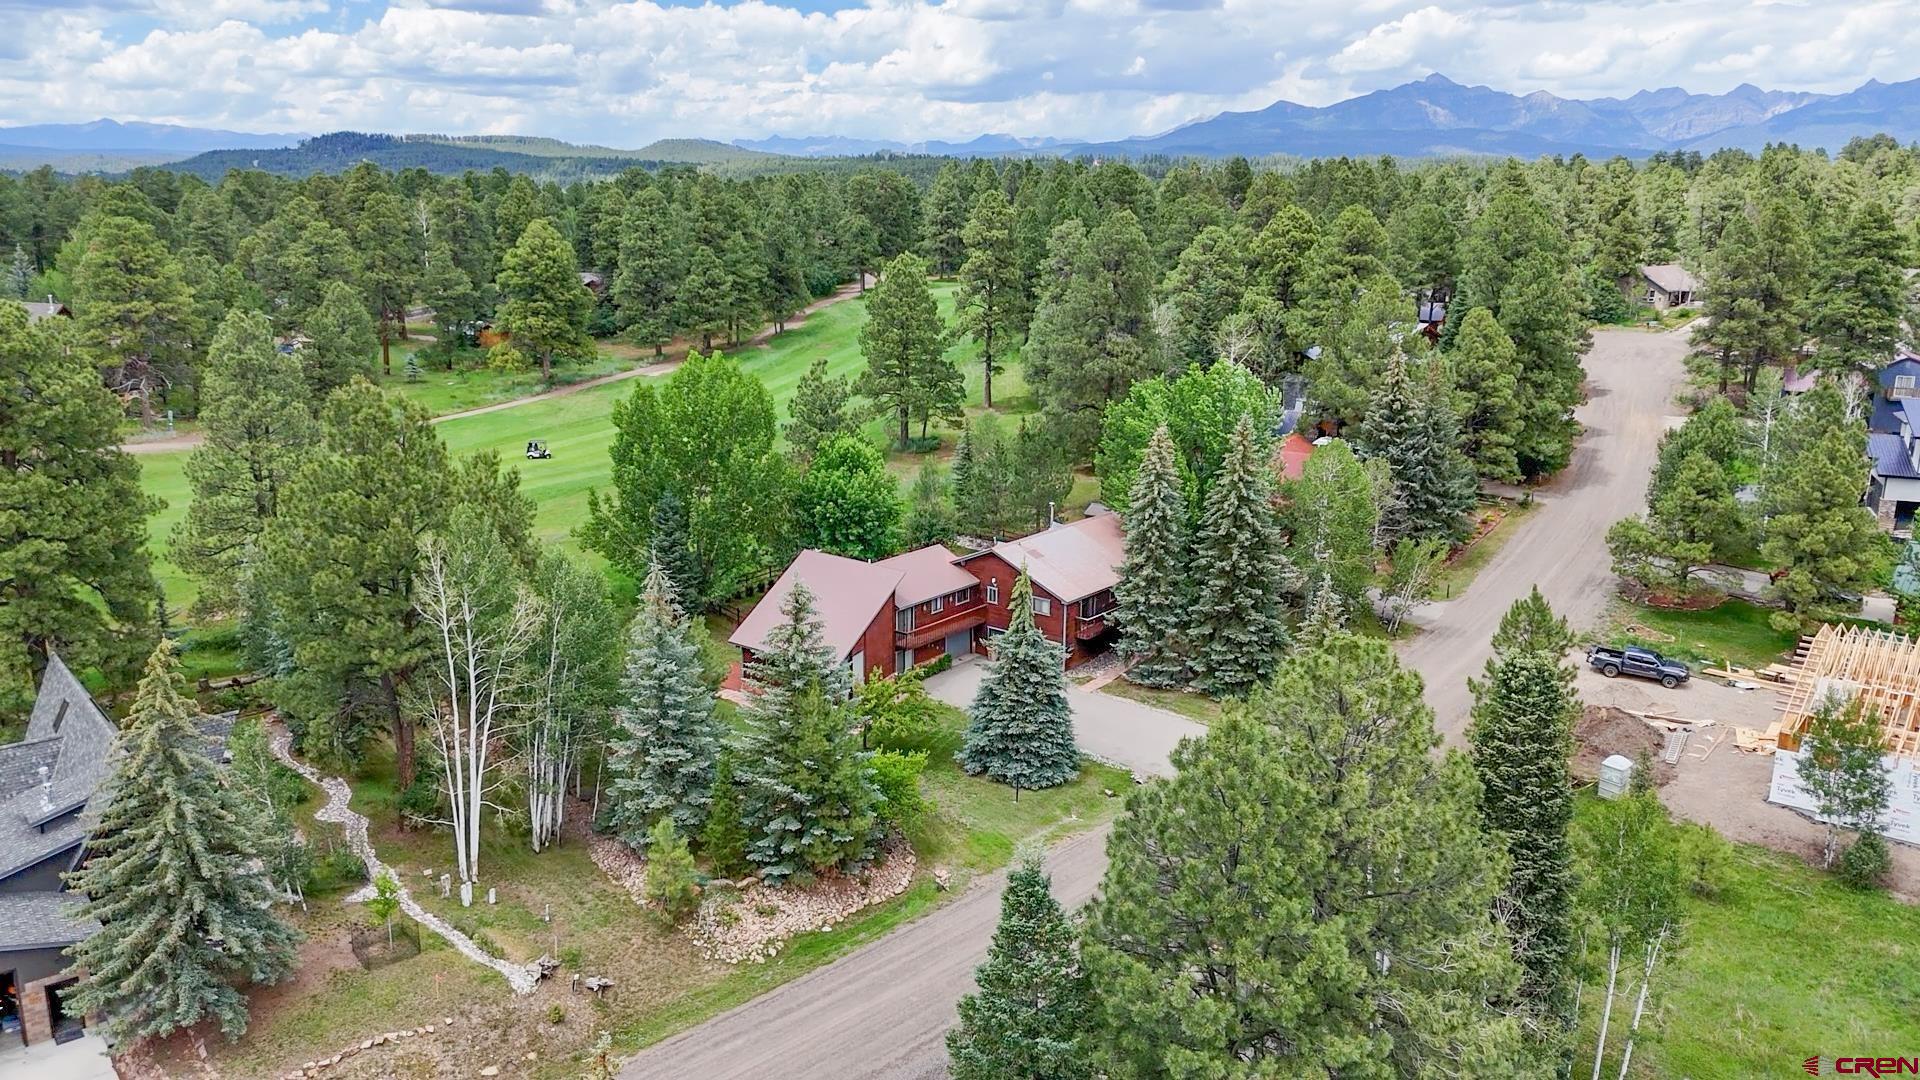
pixel 1733 630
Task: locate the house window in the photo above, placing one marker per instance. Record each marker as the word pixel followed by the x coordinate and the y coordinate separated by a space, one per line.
pixel 961 597
pixel 993 590
pixel 1903 382
pixel 934 605
pixel 1095 606
pixel 903 621
pixel 1042 606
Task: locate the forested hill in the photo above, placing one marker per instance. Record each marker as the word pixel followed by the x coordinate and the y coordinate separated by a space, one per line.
pixel 342 150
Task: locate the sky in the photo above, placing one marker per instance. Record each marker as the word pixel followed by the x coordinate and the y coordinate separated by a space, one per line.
pixel 624 72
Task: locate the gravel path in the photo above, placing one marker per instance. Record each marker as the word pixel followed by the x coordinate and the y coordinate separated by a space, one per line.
pixel 523 978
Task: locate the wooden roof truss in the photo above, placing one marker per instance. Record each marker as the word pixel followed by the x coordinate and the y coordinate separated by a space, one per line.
pixel 1853 661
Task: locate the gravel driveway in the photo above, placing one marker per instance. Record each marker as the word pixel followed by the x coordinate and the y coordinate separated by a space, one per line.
pixel 1112 729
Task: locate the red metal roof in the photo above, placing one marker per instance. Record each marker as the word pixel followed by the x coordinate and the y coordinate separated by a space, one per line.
pixel 926 573
pixel 1072 560
pixel 1293 454
pixel 847 593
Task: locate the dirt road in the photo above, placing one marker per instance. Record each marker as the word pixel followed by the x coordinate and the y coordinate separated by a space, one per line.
pixel 1631 380
pixel 881 1013
pixel 189 440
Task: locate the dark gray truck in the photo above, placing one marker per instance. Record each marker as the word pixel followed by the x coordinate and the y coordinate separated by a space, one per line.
pixel 1644 663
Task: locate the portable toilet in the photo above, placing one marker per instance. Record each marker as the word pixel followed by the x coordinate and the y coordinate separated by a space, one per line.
pixel 1616 776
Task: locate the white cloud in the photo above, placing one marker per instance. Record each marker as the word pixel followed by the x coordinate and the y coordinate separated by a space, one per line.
pixel 623 72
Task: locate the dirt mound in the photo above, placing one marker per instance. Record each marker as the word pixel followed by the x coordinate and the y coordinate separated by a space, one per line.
pixel 1604 731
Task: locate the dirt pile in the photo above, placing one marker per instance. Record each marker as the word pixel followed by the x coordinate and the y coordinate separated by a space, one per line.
pixel 1603 731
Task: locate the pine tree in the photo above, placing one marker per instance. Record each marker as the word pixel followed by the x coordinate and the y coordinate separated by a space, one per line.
pixel 1486 377
pixel 1154 579
pixel 1859 295
pixel 340 342
pixel 74 568
pixel 671 551
pixel 645 285
pixel 1020 728
pixel 1041 477
pixel 132 306
pixel 174 880
pixel 666 734
pixel 1240 929
pixel 808 801
pixel 1815 525
pixel 1033 1000
pixel 455 299
pixel 904 342
pixel 1201 292
pixel 672 879
pixel 543 306
pixel 703 296
pixel 989 302
pixel 1093 334
pixel 821 410
pixel 1236 630
pixel 259 425
pixel 19 275
pixel 963 478
pixel 929 515
pixel 1411 426
pixel 1755 292
pixel 1520 740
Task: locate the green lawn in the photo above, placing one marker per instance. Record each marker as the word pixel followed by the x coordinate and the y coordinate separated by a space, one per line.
pixel 1191 704
pixel 578 429
pixel 1454 577
pixel 664 985
pixel 1733 631
pixel 1783 962
pixel 473 384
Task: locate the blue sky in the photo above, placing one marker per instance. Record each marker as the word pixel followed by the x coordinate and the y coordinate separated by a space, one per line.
pixel 624 72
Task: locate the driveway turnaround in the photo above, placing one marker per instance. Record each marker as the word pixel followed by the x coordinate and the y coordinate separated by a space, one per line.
pixel 882 1013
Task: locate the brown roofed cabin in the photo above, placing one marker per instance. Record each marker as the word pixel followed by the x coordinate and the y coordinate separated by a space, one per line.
pixel 882 618
pixel 1667 285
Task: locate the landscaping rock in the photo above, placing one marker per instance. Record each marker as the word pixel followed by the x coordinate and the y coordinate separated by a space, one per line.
pixel 754 930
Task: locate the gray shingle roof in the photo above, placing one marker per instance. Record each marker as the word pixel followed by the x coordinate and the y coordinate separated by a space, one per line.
pixel 1671 278
pixel 41 920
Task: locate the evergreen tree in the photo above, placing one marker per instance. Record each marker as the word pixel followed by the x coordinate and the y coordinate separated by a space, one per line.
pixel 724 841
pixel 1815 526
pixel 1201 292
pixel 1520 740
pixel 848 503
pixel 808 801
pixel 1755 292
pixel 821 411
pixel 1240 929
pixel 454 298
pixel 19 276
pixel 1093 334
pixel 1693 521
pixel 1041 478
pixel 904 342
pixel 543 306
pixel 1411 426
pixel 1236 630
pixel 666 733
pixel 703 296
pixel 1859 295
pixel 672 879
pixel 1020 728
pixel 258 424
pixel 929 514
pixel 1840 764
pixel 1033 1000
pixel 645 286
pixel 74 570
pixel 945 219
pixel 668 547
pixel 132 306
pixel 1486 385
pixel 340 342
pixel 989 301
pixel 1152 593
pixel 174 879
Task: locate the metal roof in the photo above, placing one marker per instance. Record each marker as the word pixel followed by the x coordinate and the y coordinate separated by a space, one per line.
pixel 926 573
pixel 1073 560
pixel 1891 459
pixel 847 594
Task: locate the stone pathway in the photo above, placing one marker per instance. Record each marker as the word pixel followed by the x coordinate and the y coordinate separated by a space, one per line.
pixel 522 977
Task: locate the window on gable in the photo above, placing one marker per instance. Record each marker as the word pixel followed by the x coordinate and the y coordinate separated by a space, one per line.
pixel 993 590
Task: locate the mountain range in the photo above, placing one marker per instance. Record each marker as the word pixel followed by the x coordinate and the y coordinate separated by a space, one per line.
pixel 1436 115
pixel 1428 117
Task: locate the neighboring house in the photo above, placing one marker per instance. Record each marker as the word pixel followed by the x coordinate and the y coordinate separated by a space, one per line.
pixel 1667 285
pixel 37 310
pixel 594 281
pixel 884 617
pixel 1433 320
pixel 1895 383
pixel 1290 456
pixel 46 783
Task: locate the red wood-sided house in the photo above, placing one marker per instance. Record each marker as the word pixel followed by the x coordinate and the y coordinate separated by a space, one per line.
pixel 887 616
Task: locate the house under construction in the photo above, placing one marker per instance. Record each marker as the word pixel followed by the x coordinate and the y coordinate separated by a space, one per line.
pixel 1880 668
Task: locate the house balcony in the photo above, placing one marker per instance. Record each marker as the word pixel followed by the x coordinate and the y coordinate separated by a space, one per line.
pixel 1092 628
pixel 950 623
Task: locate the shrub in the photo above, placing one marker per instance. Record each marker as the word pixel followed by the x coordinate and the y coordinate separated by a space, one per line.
pixel 421 799
pixel 556 1015
pixel 896 713
pixel 672 881
pixel 897 775
pixel 337 869
pixel 1865 863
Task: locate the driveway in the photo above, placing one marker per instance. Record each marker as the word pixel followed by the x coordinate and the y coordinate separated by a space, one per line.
pixel 1116 730
pixel 1632 377
pixel 84 1058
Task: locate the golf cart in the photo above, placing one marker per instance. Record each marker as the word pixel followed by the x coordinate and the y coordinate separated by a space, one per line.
pixel 537 450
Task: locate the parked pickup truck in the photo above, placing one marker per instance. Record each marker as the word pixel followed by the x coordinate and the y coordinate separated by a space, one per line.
pixel 1645 663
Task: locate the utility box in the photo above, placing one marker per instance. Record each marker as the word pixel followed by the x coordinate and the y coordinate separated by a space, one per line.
pixel 1616 776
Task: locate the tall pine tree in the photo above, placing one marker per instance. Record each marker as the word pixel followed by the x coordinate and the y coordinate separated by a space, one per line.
pixel 666 734
pixel 1308 895
pixel 1033 1001
pixel 1860 293
pixel 1236 629
pixel 1152 593
pixel 1411 426
pixel 989 302
pixel 904 342
pixel 1020 728
pixel 1520 740
pixel 174 878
